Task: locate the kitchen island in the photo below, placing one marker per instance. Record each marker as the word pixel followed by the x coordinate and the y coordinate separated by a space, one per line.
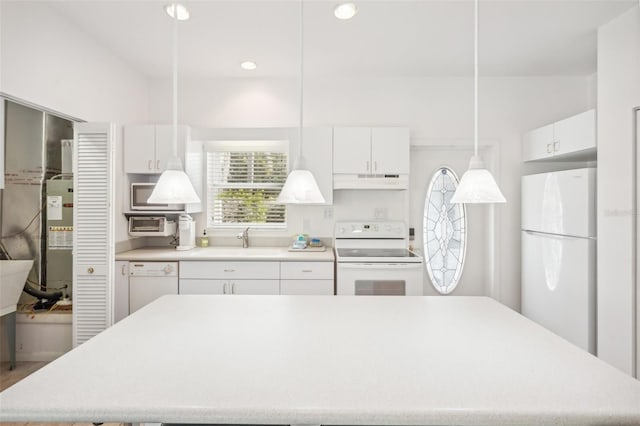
pixel 326 360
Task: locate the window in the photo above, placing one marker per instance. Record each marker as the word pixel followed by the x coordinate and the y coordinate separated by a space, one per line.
pixel 444 232
pixel 244 179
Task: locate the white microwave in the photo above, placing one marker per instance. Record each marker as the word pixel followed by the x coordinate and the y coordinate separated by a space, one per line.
pixel 140 193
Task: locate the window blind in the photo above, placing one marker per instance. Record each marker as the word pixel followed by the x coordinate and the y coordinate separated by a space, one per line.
pixel 243 185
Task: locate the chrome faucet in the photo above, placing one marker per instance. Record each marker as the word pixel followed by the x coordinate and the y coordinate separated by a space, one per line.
pixel 245 237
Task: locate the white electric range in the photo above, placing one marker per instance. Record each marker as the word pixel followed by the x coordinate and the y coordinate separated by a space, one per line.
pixel 373 259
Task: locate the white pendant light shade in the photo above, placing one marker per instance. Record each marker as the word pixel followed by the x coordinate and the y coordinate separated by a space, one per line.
pixel 300 187
pixel 174 186
pixel 477 186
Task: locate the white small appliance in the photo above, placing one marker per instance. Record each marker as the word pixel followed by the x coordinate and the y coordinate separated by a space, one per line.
pixel 186 232
pixel 140 193
pixel 150 280
pixel 373 259
pixel 151 226
pixel 559 253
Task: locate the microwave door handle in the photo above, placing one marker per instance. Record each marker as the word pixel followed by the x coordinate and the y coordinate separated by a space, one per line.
pixel 389 266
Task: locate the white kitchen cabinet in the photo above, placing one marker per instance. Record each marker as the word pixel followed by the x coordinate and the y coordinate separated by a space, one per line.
pixel 307 287
pixel 121 290
pixel 573 138
pixel 254 287
pixel 306 278
pixel 575 134
pixel 201 286
pixel 148 148
pixel 351 150
pixel 221 277
pixel 365 150
pixel 390 150
pixel 538 143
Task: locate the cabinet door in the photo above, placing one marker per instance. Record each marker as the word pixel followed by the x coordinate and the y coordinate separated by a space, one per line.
pixel 307 287
pixel 390 150
pixel 255 286
pixel 575 133
pixel 188 286
pixel 352 150
pixel 164 145
pixel 139 149
pixel 121 291
pixel 93 222
pixel 538 143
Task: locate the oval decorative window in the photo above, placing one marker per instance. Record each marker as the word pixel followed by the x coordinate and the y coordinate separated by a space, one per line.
pixel 445 232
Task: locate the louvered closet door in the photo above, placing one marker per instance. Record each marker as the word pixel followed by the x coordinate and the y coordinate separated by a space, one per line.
pixel 93 226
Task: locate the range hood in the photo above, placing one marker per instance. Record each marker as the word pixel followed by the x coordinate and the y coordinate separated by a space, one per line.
pixel 370 181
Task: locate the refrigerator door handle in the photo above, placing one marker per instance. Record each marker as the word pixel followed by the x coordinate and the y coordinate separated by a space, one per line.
pixel 558 236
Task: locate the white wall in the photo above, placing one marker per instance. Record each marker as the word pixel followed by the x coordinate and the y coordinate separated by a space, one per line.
pixel 439 112
pixel 48 61
pixel 618 93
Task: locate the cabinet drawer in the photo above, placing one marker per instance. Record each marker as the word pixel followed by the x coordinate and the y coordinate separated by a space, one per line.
pixel 307 287
pixel 306 270
pixel 226 270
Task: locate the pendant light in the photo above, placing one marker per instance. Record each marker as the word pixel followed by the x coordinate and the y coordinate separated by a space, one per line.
pixel 174 186
pixel 477 184
pixel 300 187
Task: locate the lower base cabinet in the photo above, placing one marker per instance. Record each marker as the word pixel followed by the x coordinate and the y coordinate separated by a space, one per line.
pixel 307 287
pixel 205 286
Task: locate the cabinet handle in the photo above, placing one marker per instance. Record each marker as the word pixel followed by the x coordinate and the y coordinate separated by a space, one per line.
pixel 307 270
pixel 149 165
pixel 224 288
pixel 549 148
pixel 367 166
pixel 229 270
pixel 122 271
pixel 556 146
pixel 90 270
pixel 158 164
pixel 233 288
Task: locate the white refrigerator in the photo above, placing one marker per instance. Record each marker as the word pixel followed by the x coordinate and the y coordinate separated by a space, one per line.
pixel 559 253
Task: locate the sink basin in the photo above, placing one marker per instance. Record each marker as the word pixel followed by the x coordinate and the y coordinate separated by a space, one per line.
pixel 13 275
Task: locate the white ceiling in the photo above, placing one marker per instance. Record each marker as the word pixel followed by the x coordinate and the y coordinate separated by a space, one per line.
pixel 386 38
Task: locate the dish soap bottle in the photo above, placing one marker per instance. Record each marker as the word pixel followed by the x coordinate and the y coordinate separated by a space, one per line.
pixel 204 240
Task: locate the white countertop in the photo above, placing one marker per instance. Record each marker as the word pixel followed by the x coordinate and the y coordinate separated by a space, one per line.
pixel 326 360
pixel 226 253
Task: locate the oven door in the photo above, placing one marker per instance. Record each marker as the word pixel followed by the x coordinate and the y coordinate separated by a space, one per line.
pixel 379 279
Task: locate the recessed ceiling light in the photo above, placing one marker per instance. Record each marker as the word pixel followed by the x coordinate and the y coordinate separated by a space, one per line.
pixel 183 12
pixel 248 65
pixel 345 11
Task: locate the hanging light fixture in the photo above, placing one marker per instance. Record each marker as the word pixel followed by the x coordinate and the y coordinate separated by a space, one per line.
pixel 174 186
pixel 477 184
pixel 300 187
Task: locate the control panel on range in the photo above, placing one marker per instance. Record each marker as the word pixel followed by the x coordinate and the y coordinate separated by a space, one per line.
pixel 370 230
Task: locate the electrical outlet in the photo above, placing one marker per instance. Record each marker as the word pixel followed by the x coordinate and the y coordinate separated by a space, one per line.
pixel 328 212
pixel 380 213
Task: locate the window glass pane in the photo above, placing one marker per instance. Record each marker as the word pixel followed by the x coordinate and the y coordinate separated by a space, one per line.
pixel 243 185
pixel 444 232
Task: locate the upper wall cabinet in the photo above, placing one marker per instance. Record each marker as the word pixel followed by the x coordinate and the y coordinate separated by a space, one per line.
pixel 147 148
pixel 365 150
pixel 573 138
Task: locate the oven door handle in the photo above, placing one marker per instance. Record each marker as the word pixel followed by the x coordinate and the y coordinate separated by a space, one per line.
pixel 391 266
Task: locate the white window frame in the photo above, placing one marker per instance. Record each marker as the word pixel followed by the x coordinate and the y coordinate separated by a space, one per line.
pixel 281 146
